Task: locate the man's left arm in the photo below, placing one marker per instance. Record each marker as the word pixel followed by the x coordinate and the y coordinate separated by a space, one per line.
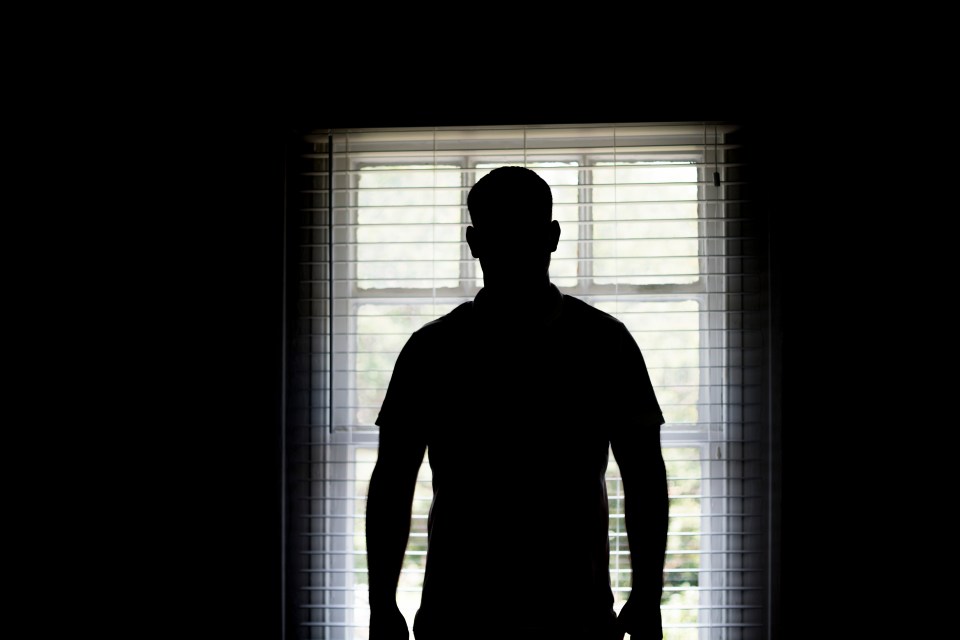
pixel 647 510
pixel 635 442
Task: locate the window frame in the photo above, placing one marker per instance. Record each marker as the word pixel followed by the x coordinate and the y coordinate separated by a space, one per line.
pixel 749 349
pixel 349 439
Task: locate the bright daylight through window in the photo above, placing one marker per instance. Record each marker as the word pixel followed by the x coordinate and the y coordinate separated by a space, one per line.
pixel 646 236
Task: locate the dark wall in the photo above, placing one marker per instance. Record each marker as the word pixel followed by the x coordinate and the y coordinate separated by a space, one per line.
pixel 215 439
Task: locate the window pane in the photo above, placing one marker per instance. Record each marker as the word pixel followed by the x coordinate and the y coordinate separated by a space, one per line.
pixel 645 223
pixel 563 178
pixel 408 227
pixel 382 330
pixel 668 333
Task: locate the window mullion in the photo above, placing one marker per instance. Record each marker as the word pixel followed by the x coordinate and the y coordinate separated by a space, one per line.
pixel 585 228
pixel 467 268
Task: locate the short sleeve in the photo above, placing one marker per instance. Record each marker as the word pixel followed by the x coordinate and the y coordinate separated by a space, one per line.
pixel 637 405
pixel 404 404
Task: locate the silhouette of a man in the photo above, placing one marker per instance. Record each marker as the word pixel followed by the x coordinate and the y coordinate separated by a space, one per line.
pixel 518 395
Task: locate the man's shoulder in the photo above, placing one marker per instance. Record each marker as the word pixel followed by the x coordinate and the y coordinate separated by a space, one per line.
pixel 580 312
pixel 446 325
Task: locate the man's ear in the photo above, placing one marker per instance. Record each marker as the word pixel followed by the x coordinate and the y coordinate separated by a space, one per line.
pixel 473 239
pixel 554 235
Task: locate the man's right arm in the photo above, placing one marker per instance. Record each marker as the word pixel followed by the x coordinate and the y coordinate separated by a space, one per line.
pixel 647 516
pixel 389 503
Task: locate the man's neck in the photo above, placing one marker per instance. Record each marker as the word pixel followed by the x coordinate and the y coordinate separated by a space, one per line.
pixel 525 292
pixel 530 301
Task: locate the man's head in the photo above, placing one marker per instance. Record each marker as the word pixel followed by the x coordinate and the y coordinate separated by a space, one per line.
pixel 512 233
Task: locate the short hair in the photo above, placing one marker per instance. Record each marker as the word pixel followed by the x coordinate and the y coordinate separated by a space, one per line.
pixel 516 196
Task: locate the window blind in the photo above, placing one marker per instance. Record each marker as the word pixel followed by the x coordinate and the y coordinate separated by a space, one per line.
pixel 657 230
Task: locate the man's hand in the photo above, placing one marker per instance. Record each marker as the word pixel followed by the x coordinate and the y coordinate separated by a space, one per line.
pixel 388 624
pixel 641 622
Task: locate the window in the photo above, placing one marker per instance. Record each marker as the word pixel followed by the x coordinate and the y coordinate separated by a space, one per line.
pixel 647 235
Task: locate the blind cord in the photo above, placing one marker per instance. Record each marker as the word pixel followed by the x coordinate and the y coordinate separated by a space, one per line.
pixel 330 278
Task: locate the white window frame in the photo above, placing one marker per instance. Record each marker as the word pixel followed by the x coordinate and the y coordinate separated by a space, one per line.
pixel 347 441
